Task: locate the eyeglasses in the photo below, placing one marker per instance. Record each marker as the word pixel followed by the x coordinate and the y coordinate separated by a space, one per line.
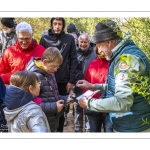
pixel 24 39
pixel 39 83
pixel 55 67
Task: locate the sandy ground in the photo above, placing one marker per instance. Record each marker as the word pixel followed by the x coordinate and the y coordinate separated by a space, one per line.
pixel 70 126
pixel 70 118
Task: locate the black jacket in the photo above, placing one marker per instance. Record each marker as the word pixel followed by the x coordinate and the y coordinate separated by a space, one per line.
pixel 49 94
pixel 84 59
pixel 65 43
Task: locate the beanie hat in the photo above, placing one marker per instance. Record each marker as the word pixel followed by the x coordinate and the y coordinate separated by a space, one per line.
pixel 106 30
pixel 8 22
pixel 71 28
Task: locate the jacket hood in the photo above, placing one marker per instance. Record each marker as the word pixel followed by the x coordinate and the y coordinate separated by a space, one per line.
pixel 31 66
pixel 16 97
pixel 11 114
pixel 63 20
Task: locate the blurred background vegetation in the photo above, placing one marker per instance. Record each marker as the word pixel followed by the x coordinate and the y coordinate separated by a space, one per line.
pixel 138 27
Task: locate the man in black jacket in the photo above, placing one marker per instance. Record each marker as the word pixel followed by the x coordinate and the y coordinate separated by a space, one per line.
pixel 65 75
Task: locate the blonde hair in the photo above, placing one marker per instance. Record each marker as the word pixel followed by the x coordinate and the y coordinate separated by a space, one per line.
pixel 23 79
pixel 52 54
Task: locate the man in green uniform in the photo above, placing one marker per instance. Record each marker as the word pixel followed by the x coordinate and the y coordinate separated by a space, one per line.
pixel 127 108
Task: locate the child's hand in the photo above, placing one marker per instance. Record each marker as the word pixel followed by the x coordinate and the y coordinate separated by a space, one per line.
pixel 60 105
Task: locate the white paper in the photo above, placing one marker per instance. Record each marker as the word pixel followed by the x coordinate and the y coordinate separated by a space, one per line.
pixel 87 94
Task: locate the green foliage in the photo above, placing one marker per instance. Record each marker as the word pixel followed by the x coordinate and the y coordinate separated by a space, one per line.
pixel 126 59
pixel 145 122
pixel 140 31
pixel 38 25
pixel 140 84
pixel 85 25
pixel 138 27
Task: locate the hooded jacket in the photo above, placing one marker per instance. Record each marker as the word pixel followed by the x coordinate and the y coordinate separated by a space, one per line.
pixel 66 45
pixel 22 114
pixel 48 93
pixel 15 58
pixel 7 40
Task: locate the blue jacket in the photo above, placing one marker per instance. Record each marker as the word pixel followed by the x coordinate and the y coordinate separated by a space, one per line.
pixel 49 94
pixel 2 89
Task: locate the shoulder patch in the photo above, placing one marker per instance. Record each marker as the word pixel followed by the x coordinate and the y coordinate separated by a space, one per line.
pixel 121 77
pixel 123 66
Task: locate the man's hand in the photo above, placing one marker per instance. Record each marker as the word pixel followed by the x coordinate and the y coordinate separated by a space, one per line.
pixel 60 105
pixel 69 87
pixel 85 84
pixel 83 102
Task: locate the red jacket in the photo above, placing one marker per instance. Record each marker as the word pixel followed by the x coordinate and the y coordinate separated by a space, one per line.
pixel 97 72
pixel 15 59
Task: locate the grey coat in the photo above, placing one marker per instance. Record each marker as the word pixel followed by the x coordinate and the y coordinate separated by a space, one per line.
pixel 28 118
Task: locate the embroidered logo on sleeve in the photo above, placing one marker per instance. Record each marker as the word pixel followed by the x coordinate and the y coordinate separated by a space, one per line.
pixel 123 66
pixel 121 77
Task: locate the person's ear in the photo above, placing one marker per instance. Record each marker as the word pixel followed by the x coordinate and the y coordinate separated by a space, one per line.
pixel 109 43
pixel 30 88
pixel 45 61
